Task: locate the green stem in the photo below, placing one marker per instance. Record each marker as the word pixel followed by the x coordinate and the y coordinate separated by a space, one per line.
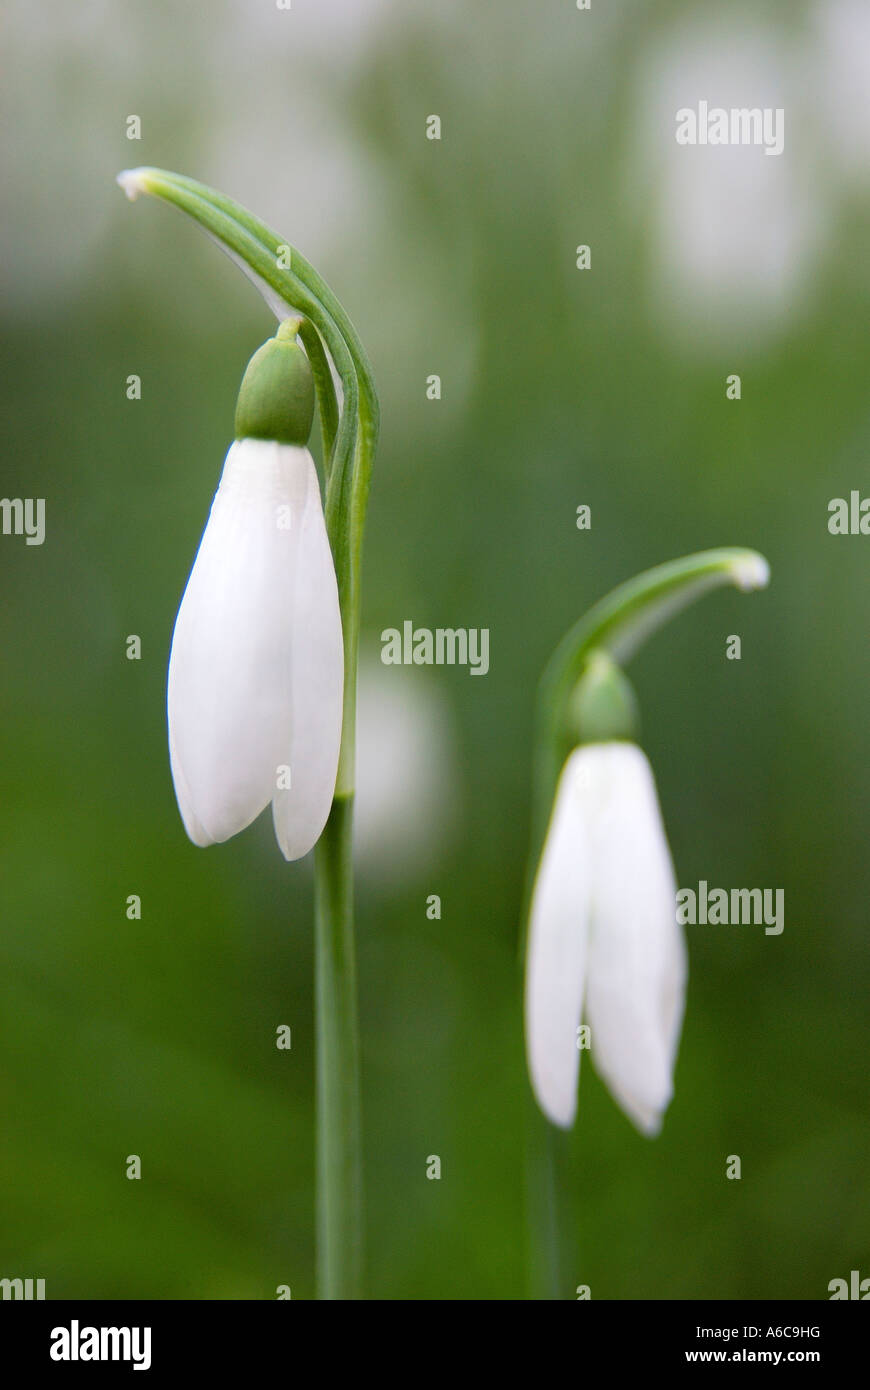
pixel 325 388
pixel 339 1142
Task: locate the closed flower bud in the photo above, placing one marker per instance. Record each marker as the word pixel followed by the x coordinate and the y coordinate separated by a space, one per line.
pixel 256 668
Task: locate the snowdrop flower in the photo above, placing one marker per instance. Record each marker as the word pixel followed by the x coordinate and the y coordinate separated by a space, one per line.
pixel 256 669
pixel 605 957
pixel 262 678
pixel 605 947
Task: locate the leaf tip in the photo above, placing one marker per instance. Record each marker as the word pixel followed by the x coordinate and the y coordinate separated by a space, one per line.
pixel 133 182
pixel 750 571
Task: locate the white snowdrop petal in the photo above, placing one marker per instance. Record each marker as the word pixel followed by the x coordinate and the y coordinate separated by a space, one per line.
pixel 557 950
pixel 637 958
pixel 317 682
pixel 230 670
pixel 195 830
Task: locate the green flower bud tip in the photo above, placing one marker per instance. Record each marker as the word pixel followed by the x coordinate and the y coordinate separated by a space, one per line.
pixel 603 706
pixel 276 397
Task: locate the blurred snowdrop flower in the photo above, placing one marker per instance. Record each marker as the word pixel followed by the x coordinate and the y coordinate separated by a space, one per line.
pixel 605 956
pixel 406 775
pixel 256 668
pixel 733 232
pixel 840 73
pixel 604 945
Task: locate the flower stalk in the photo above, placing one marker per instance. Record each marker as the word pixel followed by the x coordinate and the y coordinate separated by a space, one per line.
pixel 349 432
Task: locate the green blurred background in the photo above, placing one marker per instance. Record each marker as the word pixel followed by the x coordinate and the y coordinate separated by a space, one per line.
pixel 560 387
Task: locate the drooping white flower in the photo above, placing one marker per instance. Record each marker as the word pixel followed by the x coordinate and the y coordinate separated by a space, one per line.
pixel 604 945
pixel 256 669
